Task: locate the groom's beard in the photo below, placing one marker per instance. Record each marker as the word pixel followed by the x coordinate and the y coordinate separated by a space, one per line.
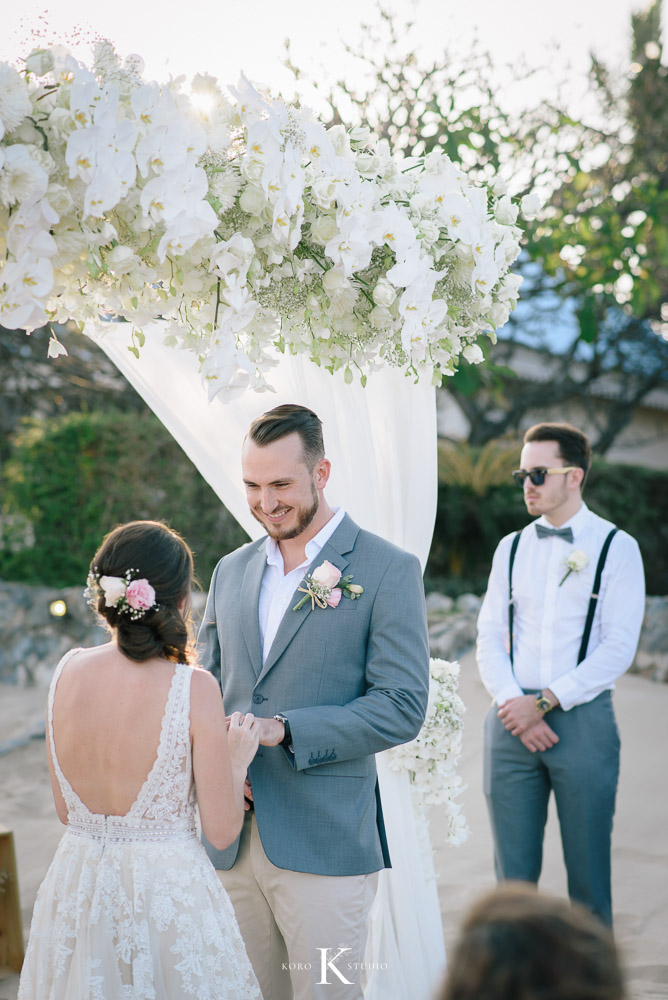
pixel 305 516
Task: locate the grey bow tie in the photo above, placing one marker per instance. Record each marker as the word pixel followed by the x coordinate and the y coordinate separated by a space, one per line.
pixel 565 533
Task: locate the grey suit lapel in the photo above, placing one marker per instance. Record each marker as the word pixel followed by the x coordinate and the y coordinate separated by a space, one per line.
pixel 335 551
pixel 250 599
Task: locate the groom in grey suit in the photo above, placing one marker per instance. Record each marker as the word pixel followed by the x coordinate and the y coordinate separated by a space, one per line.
pixel 330 686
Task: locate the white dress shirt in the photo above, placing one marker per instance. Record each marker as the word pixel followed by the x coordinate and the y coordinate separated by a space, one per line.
pixel 549 617
pixel 278 587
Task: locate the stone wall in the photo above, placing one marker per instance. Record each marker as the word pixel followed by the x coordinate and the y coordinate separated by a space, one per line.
pixel 32 639
pixel 452 631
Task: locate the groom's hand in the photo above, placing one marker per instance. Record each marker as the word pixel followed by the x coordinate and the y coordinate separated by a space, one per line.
pixel 272 732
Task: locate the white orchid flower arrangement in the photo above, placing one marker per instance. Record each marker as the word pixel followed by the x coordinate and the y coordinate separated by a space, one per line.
pixel 243 223
pixel 431 758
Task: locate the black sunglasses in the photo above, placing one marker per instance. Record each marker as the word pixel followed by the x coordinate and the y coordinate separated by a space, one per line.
pixel 537 476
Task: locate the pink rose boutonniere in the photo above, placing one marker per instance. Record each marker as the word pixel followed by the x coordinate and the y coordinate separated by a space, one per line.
pixel 325 586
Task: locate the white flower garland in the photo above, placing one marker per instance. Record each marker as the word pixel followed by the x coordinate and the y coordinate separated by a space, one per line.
pixel 431 758
pixel 243 222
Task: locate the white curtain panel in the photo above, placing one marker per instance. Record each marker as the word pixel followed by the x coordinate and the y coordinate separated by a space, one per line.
pixel 381 441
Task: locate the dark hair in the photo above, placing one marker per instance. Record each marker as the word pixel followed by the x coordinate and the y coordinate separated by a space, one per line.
pixel 159 555
pixel 291 419
pixel 518 944
pixel 574 446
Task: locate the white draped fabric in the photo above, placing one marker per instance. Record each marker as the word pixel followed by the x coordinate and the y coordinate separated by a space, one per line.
pixel 381 441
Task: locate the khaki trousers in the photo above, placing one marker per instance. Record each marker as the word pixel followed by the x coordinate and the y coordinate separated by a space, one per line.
pixel 305 934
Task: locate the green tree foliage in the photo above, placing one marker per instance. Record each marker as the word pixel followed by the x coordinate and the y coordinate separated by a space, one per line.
pixel 73 478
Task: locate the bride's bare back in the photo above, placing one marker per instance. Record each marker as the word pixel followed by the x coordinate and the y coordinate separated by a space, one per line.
pixel 107 717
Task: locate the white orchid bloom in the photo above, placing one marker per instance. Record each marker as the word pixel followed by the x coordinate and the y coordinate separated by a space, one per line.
pixel 29 277
pixel 153 106
pixel 21 313
pixel 410 270
pixel 250 101
pixel 392 227
pixel 186 228
pixel 226 371
pixel 350 247
pixel 87 98
pixel 233 257
pixel 29 230
pixel 102 194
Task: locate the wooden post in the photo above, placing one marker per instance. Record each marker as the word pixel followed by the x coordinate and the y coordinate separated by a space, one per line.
pixel 11 932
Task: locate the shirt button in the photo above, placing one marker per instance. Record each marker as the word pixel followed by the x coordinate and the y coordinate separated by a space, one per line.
pixel 258 699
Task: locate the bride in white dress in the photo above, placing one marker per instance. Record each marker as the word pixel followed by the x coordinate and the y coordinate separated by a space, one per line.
pixel 131 908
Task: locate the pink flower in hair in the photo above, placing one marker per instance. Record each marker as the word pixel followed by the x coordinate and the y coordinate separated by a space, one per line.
pixel 140 595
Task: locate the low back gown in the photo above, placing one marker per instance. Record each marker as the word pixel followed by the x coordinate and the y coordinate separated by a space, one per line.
pixel 131 907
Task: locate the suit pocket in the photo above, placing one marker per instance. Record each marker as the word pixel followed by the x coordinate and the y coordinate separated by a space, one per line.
pixel 360 767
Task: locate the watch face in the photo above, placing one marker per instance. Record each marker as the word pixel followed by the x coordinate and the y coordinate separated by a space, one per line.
pixel 543 704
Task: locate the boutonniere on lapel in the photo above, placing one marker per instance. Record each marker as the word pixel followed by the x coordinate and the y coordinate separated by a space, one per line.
pixel 325 587
pixel 576 561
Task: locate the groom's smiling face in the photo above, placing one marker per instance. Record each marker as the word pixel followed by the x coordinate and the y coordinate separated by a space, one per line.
pixel 282 492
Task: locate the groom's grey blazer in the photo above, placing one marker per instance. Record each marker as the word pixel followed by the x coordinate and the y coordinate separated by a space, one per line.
pixel 351 680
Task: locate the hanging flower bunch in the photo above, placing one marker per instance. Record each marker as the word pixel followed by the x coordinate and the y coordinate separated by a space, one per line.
pixel 431 758
pixel 242 222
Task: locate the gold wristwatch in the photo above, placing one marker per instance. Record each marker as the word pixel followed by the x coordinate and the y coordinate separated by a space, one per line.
pixel 543 704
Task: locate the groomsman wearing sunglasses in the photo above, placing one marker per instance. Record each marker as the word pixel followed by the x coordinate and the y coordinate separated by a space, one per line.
pixel 559 623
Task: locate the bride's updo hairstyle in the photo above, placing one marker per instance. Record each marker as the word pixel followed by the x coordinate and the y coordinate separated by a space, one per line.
pixel 156 553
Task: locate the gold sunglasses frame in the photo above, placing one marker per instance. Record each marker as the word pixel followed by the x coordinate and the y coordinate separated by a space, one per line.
pixel 563 469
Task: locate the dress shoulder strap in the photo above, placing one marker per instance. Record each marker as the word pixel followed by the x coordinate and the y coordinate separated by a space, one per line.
pixel 54 683
pixel 71 799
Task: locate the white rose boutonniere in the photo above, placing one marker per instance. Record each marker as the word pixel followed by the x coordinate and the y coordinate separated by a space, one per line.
pixel 325 587
pixel 576 561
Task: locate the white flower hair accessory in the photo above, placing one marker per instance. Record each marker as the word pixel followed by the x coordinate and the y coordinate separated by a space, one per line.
pixel 129 595
pixel 576 561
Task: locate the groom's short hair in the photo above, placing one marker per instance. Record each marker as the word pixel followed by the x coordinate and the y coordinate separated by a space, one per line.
pixel 289 418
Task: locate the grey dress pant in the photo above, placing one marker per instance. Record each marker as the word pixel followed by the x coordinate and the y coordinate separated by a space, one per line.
pixel 582 769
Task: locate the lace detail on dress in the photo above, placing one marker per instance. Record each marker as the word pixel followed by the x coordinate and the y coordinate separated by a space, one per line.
pixel 131 908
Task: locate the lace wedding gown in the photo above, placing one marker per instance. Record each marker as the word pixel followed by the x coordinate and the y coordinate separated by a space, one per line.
pixel 131 908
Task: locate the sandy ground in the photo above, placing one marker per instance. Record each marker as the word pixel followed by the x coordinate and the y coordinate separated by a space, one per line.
pixel 640 843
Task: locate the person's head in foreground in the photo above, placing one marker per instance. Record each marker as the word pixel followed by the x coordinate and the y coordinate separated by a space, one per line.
pixel 140 582
pixel 518 944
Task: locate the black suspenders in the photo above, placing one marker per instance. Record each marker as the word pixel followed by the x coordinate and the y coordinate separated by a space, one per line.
pixel 594 595
pixel 511 606
pixel 592 600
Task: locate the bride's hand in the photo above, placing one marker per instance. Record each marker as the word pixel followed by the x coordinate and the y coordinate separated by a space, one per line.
pixel 243 736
